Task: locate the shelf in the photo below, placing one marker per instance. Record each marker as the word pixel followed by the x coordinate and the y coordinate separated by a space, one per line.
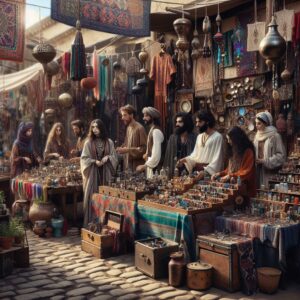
pixel 297 183
pixel 288 173
pixel 285 193
pixel 275 202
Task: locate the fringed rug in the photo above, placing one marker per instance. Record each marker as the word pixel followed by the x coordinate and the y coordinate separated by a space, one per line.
pixel 124 17
pixel 12 25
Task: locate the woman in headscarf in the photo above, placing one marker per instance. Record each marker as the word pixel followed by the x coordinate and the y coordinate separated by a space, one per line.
pixel 57 145
pixel 98 164
pixel 241 164
pixel 23 156
pixel 269 148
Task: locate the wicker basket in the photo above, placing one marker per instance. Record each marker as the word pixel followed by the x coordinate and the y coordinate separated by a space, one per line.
pixel 268 279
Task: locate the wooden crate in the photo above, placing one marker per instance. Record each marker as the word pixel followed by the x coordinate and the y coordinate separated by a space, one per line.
pixel 7 260
pixel 101 245
pixel 153 261
pixel 223 256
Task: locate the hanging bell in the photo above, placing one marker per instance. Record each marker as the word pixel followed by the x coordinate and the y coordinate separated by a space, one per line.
pixel 206 25
pixel 272 46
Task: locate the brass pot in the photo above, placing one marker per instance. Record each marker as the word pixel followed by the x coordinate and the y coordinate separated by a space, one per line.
pixel 182 27
pixel 41 211
pixel 44 53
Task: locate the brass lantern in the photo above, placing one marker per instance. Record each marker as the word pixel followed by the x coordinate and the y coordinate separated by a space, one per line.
pixel 44 53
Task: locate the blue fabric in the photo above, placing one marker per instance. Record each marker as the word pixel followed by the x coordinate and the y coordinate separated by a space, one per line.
pixel 169 225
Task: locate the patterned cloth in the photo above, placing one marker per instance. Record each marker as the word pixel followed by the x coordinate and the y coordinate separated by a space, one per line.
pixel 169 225
pixel 12 30
pixel 124 17
pixel 101 203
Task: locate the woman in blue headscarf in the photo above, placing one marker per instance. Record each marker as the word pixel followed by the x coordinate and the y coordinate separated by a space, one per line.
pixel 23 156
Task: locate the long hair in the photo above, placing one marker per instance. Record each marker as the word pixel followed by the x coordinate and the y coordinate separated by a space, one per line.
pixel 52 134
pixel 101 126
pixel 240 142
pixel 208 117
pixel 187 121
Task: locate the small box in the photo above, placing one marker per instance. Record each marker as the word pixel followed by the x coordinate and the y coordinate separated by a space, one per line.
pixel 224 257
pixel 102 245
pixel 154 261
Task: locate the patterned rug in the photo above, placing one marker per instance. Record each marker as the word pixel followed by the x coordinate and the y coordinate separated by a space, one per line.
pixel 12 29
pixel 124 17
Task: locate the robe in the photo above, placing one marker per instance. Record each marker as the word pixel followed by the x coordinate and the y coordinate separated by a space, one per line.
pixel 54 147
pixel 136 136
pixel 92 175
pixel 210 153
pixel 172 155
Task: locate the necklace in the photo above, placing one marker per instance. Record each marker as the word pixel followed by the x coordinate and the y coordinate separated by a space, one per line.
pixel 204 139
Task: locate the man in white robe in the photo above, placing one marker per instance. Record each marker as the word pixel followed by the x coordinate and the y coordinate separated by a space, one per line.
pixel 207 156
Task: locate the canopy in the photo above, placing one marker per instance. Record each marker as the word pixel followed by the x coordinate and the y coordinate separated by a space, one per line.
pixel 15 80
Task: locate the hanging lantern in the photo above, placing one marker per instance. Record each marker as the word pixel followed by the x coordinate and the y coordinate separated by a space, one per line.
pixel 272 46
pixel 78 59
pixel 143 56
pixel 195 45
pixel 52 68
pixel 136 89
pixel 182 27
pixel 44 53
pixel 88 83
pixel 65 100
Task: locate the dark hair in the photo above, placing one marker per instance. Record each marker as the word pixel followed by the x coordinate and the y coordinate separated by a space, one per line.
pixel 240 141
pixel 101 126
pixel 208 117
pixel 187 121
pixel 78 123
pixel 156 121
pixel 129 109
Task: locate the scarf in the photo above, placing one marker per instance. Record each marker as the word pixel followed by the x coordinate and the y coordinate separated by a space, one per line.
pixel 267 133
pixel 23 141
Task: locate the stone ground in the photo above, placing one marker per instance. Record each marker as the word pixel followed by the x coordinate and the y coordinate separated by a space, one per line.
pixel 60 270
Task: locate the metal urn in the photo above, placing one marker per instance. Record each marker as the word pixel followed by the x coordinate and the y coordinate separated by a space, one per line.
pixel 182 27
pixel 272 46
pixel 44 53
pixel 65 100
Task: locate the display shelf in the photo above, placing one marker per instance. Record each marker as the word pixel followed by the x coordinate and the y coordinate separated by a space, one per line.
pixel 275 202
pixel 279 192
pixel 295 183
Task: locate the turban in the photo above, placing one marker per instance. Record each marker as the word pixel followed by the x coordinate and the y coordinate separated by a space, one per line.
pixel 152 112
pixel 265 117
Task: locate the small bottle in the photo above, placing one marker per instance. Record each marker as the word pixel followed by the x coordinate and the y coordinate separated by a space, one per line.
pixel 239 181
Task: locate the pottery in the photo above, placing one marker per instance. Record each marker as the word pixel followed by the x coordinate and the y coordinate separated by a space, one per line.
pixel 41 211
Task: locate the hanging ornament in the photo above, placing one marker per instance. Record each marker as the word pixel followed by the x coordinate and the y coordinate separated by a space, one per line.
pixel 88 83
pixel 195 41
pixel 238 40
pixel 51 69
pixel 43 53
pixel 78 59
pixel 206 27
pixel 143 56
pixel 65 100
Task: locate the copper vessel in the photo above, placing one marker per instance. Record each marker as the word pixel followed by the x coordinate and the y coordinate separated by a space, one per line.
pixel 182 27
pixel 199 276
pixel 41 211
pixel 177 268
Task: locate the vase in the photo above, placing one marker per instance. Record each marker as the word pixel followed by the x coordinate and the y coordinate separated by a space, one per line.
pixel 176 269
pixel 41 211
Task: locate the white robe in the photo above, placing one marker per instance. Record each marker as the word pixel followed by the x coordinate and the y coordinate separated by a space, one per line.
pixel 210 153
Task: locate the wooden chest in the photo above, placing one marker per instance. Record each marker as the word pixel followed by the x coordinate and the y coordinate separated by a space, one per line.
pixel 102 245
pixel 153 261
pixel 223 256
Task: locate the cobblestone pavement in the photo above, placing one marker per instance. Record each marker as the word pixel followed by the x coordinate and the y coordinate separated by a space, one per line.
pixel 60 270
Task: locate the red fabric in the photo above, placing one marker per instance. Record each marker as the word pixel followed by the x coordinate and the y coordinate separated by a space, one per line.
pixel 296 29
pixel 65 62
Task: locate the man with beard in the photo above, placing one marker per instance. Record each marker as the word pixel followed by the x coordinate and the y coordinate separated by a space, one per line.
pixel 135 142
pixel 78 130
pixel 207 156
pixel 154 141
pixel 181 143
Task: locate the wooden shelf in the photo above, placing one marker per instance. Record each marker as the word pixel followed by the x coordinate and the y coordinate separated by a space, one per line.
pixel 296 183
pixel 275 202
pixel 285 193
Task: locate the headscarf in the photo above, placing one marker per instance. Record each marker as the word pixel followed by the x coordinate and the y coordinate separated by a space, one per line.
pixel 152 112
pixel 270 130
pixel 23 141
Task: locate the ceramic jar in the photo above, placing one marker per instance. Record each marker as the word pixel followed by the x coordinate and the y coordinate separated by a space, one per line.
pixel 177 268
pixel 41 211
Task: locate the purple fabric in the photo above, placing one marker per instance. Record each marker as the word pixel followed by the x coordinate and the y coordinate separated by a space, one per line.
pixel 23 141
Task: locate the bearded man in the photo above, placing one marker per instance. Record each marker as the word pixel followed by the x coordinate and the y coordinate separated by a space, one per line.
pixel 154 141
pixel 207 156
pixel 181 143
pixel 135 142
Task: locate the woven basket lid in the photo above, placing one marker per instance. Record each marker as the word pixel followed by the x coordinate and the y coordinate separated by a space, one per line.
pixel 199 266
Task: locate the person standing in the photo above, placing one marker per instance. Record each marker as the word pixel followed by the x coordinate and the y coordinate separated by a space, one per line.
pixel 181 143
pixel 79 132
pixel 57 145
pixel 135 142
pixel 154 141
pixel 98 163
pixel 270 151
pixel 207 156
pixel 23 157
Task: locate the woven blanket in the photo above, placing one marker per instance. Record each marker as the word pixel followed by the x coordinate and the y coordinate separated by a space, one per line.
pixel 169 225
pixel 12 26
pixel 101 203
pixel 124 17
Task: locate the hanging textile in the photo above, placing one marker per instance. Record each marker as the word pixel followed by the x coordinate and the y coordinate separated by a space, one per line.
pixel 127 17
pixel 203 77
pixel 228 59
pixel 96 73
pixel 285 21
pixel 12 30
pixel 256 32
pixel 296 30
pixel 103 78
pixel 65 63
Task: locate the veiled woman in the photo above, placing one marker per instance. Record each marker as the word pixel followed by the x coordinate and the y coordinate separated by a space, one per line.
pixel 98 164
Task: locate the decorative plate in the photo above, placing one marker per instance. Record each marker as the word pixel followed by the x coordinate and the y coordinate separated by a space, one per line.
pixel 185 106
pixel 221 119
pixel 242 111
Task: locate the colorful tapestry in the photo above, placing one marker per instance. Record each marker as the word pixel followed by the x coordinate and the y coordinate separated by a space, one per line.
pixel 169 225
pixel 101 203
pixel 124 17
pixel 12 30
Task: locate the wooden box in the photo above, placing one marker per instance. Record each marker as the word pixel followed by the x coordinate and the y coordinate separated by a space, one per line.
pixel 7 261
pixel 121 193
pixel 223 256
pixel 154 261
pixel 101 245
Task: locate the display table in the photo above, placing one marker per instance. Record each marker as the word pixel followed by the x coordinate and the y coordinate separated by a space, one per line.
pixel 282 236
pixel 101 203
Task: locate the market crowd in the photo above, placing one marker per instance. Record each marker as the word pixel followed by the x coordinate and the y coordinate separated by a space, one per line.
pixel 203 151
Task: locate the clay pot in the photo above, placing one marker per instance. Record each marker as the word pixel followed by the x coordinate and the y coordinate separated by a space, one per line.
pixel 6 242
pixel 88 83
pixel 177 269
pixel 41 211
